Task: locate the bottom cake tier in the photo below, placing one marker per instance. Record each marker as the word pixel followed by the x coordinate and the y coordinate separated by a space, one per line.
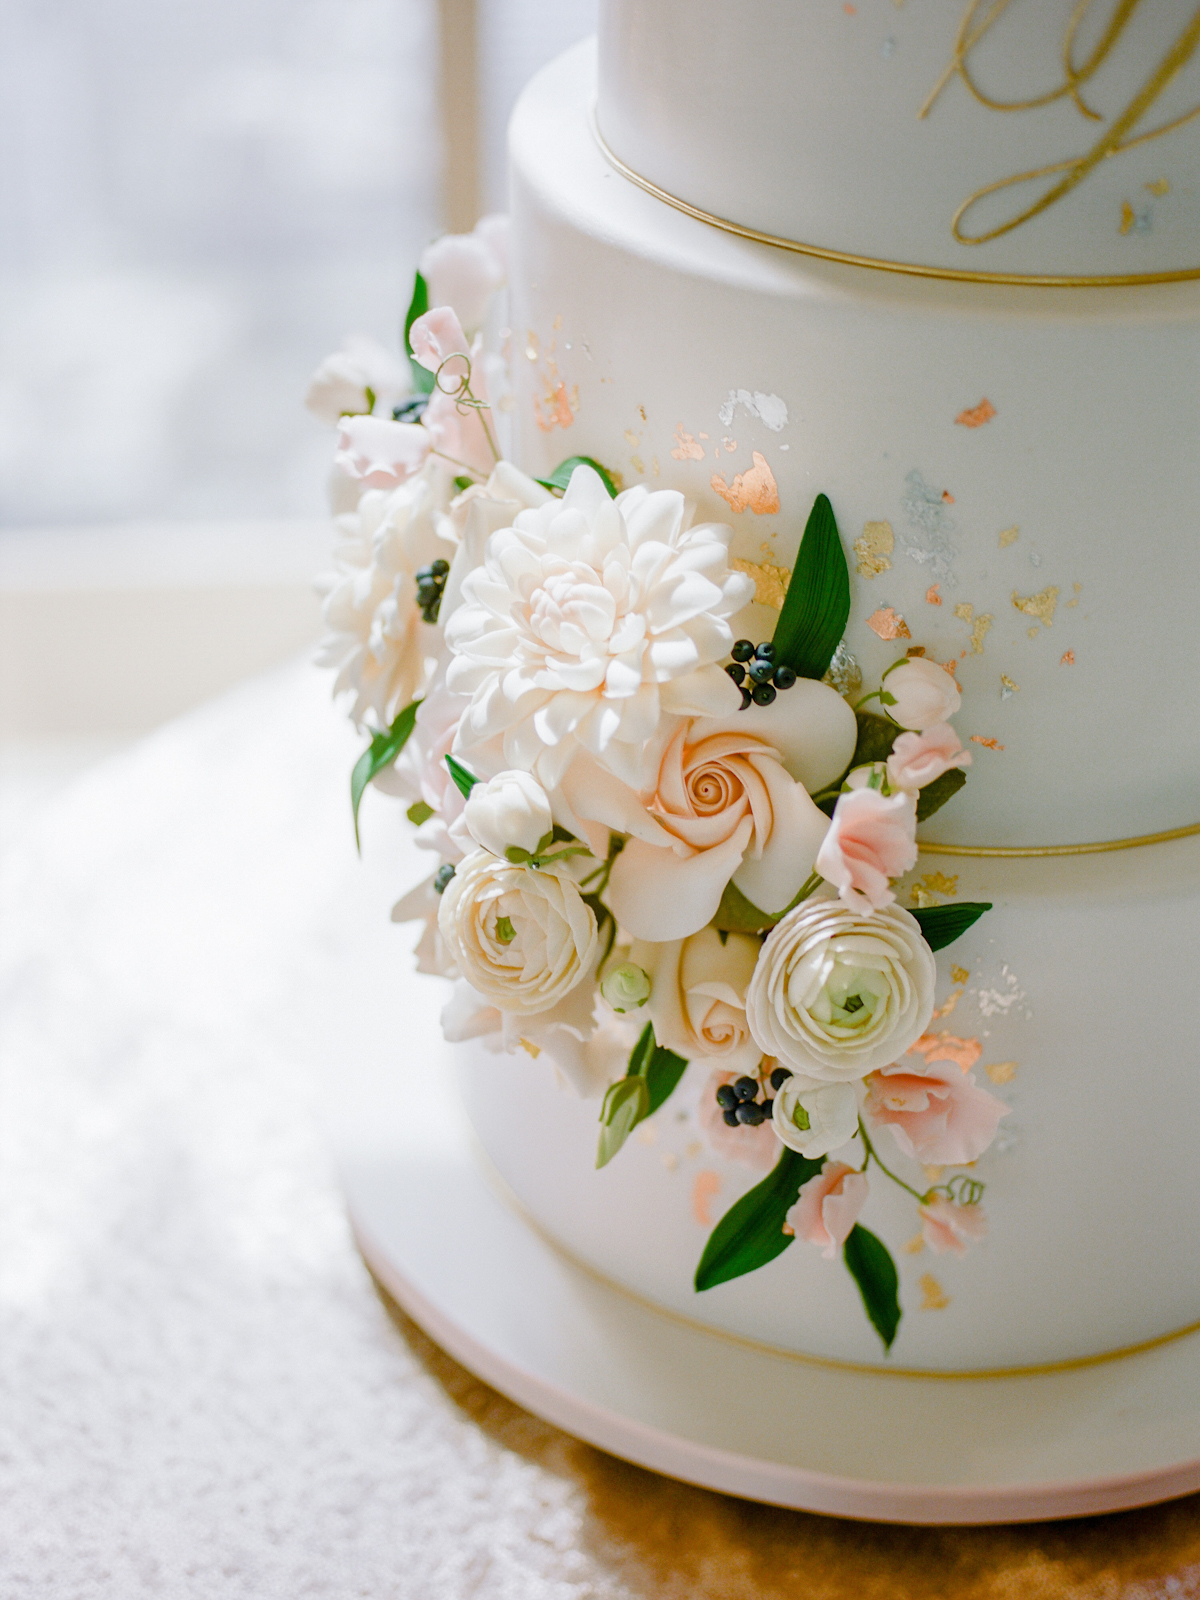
pixel 1073 1001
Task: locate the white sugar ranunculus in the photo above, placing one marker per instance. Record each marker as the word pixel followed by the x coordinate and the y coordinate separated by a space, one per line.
pixel 590 621
pixel 509 812
pixel 923 693
pixel 375 637
pixel 474 516
pixel 838 992
pixel 464 270
pixel 355 379
pixel 698 996
pixel 522 938
pixel 815 1118
pixel 380 452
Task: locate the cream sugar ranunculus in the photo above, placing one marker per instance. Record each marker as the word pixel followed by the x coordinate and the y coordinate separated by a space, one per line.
pixel 590 621
pixel 813 1117
pixel 698 996
pixel 522 939
pixel 837 992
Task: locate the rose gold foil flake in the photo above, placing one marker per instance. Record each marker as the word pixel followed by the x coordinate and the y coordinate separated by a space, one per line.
pixel 915 1245
pixel 873 547
pixel 1067 659
pixel 755 490
pixel 888 624
pixel 1001 1071
pixel 960 974
pixel 555 410
pixel 686 448
pixel 1009 536
pixel 703 436
pixel 933 1296
pixel 950 666
pixel 963 1053
pixel 979 633
pixel 947 497
pixel 770 581
pixel 705 1188
pixel 1128 217
pixel 963 611
pixel 988 744
pixel 1159 186
pixel 977 415
pixel 730 445
pixel 932 597
pixel 1040 605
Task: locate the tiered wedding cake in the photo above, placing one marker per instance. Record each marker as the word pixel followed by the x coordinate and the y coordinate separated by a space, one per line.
pixel 942 270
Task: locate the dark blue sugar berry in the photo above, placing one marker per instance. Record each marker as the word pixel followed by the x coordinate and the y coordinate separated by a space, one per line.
pixel 784 677
pixel 730 1118
pixel 746 1088
pixel 763 694
pixel 760 671
pixel 768 1107
pixel 746 697
pixel 440 568
pixel 765 651
pixel 442 876
pixel 726 1098
pixel 742 650
pixel 737 672
pixel 779 1077
pixel 749 1114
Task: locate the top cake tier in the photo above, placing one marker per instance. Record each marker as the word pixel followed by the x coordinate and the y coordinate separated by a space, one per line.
pixel 1039 138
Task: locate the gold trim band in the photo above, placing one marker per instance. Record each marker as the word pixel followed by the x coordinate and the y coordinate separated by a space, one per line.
pixel 504 1193
pixel 1100 847
pixel 906 268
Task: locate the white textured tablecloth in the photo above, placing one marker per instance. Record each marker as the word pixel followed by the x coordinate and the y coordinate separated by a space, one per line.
pixel 201 1393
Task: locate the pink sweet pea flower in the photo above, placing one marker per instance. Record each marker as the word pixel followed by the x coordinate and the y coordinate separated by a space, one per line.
pixel 871 839
pixel 939 1115
pixel 919 758
pixel 828 1207
pixel 436 337
pixel 945 1226
pixel 382 453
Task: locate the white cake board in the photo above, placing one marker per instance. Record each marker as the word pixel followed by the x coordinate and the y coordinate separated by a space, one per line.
pixel 702 1407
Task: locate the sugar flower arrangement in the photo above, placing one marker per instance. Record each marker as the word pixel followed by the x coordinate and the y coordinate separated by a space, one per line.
pixel 654 844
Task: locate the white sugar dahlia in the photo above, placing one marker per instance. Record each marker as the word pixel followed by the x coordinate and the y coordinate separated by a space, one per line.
pixel 375 636
pixel 589 621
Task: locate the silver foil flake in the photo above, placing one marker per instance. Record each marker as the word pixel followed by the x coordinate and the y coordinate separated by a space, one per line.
pixel 930 544
pixel 844 674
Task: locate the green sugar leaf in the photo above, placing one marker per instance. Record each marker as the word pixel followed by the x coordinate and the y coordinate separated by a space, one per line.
pixel 934 795
pixel 751 1232
pixel 463 482
pixel 817 603
pixel 464 781
pixel 874 1271
pixel 941 925
pixel 663 1075
pixel 380 753
pixel 418 813
pixel 736 914
pixel 625 1105
pixel 561 476
pixel 876 736
pixel 422 378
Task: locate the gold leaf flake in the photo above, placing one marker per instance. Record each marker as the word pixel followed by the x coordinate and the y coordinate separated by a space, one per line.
pixel 977 415
pixel 1032 632
pixel 670 1160
pixel 1159 186
pixel 638 465
pixel 964 611
pixel 770 581
pixel 756 489
pixel 932 597
pixel 922 899
pixel 1068 659
pixel 686 448
pixel 632 438
pixel 654 466
pixel 694 1149
pixel 642 412
pixel 534 1050
pixel 915 1245
pixel 933 1296
pixel 1127 217
pixel 647 1133
pixel 940 883
pixel 873 547
pixel 947 1005
pixel 1009 536
pixel 557 323
pixel 888 624
pixel 988 744
pixel 1040 605
pixel 959 974
pixel 915 650
pixel 1009 684
pixel 531 345
pixel 1001 1071
pixel 934 1173
pixel 979 633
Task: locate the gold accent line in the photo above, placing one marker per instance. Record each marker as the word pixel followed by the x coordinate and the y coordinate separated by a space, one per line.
pixel 905 268
pixel 927 847
pixel 506 1196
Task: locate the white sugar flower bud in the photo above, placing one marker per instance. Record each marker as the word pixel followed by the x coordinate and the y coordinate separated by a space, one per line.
pixel 509 812
pixel 626 987
pixel 815 1118
pixel 917 693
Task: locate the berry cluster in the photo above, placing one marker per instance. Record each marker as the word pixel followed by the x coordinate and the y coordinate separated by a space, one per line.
pixel 739 1100
pixel 442 876
pixel 431 585
pixel 756 663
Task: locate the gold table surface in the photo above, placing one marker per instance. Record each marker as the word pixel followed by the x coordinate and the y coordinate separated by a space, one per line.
pixel 202 1395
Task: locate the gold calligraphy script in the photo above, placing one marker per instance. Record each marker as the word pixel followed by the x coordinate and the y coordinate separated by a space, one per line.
pixel 980 17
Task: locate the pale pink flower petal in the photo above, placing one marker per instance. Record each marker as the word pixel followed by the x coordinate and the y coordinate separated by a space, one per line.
pixel 918 693
pixel 938 1116
pixel 871 840
pixel 920 758
pixel 382 453
pixel 828 1207
pixel 946 1226
pixel 436 337
pixel 464 270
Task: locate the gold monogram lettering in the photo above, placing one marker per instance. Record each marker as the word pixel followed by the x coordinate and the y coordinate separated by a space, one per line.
pixel 980 17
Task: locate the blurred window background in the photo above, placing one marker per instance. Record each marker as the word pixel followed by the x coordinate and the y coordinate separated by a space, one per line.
pixel 198 200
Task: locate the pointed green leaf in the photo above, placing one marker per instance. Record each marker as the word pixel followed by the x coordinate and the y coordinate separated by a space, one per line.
pixel 817 603
pixel 561 476
pixel 625 1105
pixel 380 753
pixel 874 1271
pixel 934 795
pixel 641 1054
pixel 876 736
pixel 417 307
pixel 736 914
pixel 941 925
pixel 751 1232
pixel 464 781
pixel 662 1076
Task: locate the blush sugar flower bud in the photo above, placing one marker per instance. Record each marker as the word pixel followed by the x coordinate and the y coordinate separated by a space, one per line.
pixel 626 987
pixel 509 815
